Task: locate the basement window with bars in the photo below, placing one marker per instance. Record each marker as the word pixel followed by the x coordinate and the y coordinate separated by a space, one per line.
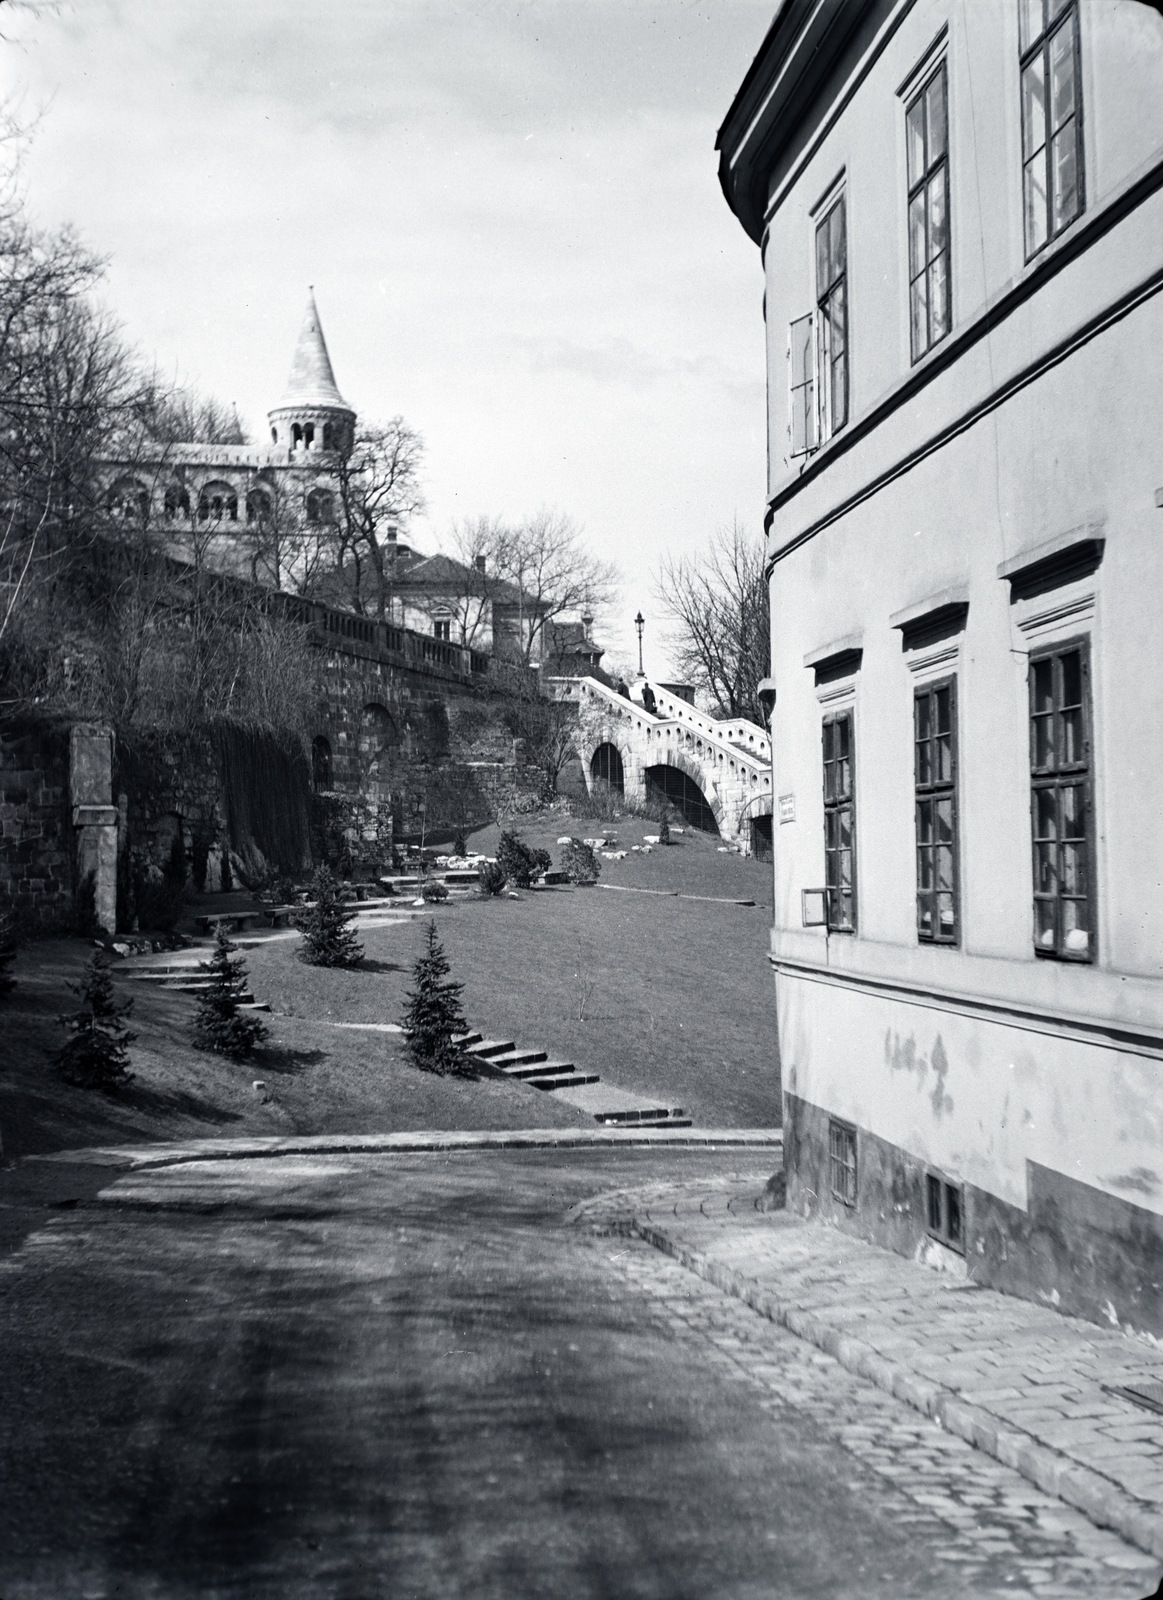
pixel 1061 802
pixel 945 1203
pixel 842 1158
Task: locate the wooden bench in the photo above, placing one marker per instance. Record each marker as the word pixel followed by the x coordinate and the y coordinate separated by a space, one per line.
pixel 235 921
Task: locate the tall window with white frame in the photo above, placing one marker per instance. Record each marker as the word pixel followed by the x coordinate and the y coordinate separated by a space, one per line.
pixel 832 319
pixel 1060 801
pixel 1052 169
pixel 839 823
pixel 935 776
pixel 927 141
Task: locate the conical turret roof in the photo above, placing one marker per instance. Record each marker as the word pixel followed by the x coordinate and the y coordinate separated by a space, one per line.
pixel 312 382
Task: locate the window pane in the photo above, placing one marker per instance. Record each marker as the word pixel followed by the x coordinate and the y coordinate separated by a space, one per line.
pixel 945 824
pixel 935 99
pixel 1061 76
pixel 843 736
pixel 1043 685
pixel 1033 107
pixel 1047 868
pixel 1072 678
pixel 945 868
pixel 1030 21
pixel 844 875
pixel 1044 924
pixel 919 315
pixel 946 925
pixel 1074 869
pixel 1064 168
pixel 1034 182
pixel 839 251
pixel 822 279
pixel 944 762
pixel 844 817
pixel 918 249
pixel 915 141
pixel 944 699
pixel 923 707
pixel 801 351
pixel 924 918
pixel 1075 934
pixel 1045 814
pixel 1044 742
pixel 938 233
pixel 924 822
pixel 839 391
pixel 1073 811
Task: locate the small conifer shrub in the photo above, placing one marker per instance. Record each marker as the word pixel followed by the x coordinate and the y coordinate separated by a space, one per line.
pixel 664 832
pixel 434 891
pixel 220 1025
pixel 96 1055
pixel 579 863
pixel 491 878
pixel 8 948
pixel 433 1017
pixel 520 862
pixel 328 940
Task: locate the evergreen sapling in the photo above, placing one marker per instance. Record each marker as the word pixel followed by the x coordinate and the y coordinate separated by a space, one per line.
pixel 220 1024
pixel 433 1017
pixel 97 1054
pixel 328 941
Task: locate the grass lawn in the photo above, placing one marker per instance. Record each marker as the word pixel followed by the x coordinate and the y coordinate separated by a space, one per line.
pixel 662 995
pixel 658 994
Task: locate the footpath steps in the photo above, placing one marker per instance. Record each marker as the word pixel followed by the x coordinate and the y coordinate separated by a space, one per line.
pixel 609 1106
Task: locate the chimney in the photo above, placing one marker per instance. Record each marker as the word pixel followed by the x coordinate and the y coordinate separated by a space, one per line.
pixel 393 532
pixel 587 624
pixel 480 564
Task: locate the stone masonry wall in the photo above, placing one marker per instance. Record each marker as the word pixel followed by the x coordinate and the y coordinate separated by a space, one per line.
pixel 37 876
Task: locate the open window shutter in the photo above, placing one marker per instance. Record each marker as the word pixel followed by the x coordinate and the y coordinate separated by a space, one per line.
pixel 802 372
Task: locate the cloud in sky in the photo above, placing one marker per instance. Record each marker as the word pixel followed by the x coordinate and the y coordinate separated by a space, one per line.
pixel 510 212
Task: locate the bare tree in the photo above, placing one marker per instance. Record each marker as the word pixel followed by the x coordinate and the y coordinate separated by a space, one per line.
pixel 719 606
pixel 379 488
pixel 551 575
pixel 481 547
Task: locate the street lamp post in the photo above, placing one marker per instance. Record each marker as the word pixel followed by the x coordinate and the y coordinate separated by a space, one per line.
pixel 640 623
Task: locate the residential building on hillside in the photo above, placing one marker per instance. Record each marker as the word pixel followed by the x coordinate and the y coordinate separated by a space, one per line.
pixel 960 209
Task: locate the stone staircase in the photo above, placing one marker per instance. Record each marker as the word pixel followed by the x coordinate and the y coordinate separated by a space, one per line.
pixel 611 1107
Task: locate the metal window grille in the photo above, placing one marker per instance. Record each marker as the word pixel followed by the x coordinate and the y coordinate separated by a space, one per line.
pixel 832 320
pixel 935 777
pixel 1051 86
pixel 842 1154
pixel 802 373
pixel 927 141
pixel 1061 802
pixel 839 823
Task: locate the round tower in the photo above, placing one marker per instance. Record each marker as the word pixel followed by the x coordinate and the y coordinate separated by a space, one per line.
pixel 312 416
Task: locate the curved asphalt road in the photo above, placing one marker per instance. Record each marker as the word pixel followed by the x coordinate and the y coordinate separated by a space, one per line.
pixel 361 1377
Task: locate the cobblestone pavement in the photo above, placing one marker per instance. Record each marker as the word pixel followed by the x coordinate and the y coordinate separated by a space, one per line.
pixel 1000 1534
pixel 1038 1374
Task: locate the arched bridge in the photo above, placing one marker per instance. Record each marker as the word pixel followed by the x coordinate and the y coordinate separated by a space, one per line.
pixel 717 773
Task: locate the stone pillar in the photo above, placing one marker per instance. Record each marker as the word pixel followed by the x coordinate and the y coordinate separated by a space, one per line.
pixel 95 816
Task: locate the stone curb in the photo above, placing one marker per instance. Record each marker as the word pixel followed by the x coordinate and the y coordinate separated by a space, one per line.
pixel 1105 1503
pixel 145 1157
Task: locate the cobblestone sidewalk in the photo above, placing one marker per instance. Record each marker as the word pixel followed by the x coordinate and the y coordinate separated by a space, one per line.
pixel 1028 1386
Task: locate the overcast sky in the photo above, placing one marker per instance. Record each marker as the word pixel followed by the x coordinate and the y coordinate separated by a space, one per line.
pixel 510 213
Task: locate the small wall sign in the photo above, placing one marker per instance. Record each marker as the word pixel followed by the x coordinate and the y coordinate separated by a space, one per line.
pixel 787 808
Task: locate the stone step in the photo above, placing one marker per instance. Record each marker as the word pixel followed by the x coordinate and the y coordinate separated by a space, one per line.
pixel 561 1080
pixel 254 1005
pixel 465 1040
pixel 488 1048
pixel 539 1067
pixel 649 1116
pixel 518 1058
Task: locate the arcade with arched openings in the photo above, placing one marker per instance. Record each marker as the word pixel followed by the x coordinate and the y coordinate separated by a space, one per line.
pixel 674 785
pixel 606 768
